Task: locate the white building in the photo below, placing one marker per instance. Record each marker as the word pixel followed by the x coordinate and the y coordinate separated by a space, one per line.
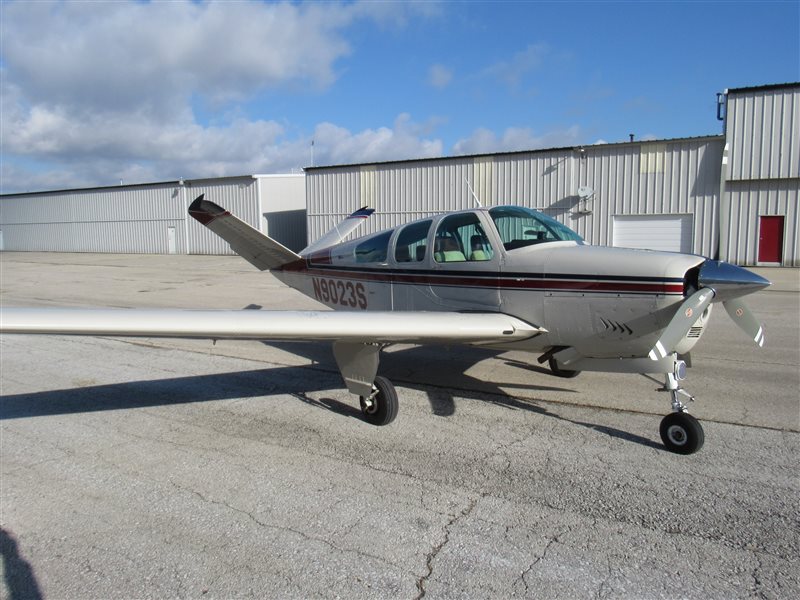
pixel 151 218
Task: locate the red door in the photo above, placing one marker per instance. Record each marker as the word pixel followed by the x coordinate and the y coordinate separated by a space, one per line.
pixel 770 240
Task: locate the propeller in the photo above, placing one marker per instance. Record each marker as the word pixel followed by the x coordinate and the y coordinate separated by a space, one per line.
pixel 745 319
pixel 680 324
pixel 719 282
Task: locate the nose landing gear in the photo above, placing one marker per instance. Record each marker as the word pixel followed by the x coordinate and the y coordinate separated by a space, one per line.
pixel 680 431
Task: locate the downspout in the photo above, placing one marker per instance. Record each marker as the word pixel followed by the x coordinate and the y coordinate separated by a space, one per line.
pixel 184 197
pixel 723 211
pixel 263 224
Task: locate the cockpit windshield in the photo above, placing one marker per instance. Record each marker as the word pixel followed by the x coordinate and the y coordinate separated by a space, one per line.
pixel 519 227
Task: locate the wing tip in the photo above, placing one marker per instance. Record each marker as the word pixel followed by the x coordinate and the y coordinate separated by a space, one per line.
pixel 205 211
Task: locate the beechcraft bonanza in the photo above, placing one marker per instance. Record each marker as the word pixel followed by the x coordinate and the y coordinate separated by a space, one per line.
pixel 505 277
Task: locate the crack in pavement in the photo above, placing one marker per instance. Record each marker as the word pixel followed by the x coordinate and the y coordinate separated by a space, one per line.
pixel 284 528
pixel 431 556
pixel 522 576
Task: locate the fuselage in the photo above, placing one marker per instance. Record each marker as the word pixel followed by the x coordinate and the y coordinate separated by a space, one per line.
pixel 604 302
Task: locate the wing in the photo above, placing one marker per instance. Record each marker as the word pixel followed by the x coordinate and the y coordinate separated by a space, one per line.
pixel 354 327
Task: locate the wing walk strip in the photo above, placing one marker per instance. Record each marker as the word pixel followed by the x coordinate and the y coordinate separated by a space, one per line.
pixel 610 284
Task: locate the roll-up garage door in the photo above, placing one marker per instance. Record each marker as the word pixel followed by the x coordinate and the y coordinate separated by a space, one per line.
pixel 654 232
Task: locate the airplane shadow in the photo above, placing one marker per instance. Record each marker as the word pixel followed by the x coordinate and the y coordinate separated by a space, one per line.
pixel 293 381
pixel 18 574
pixel 450 366
pixel 435 371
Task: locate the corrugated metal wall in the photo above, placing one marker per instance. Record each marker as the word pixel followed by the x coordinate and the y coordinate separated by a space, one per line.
pixel 763 171
pixel 762 126
pixel 676 176
pixel 746 202
pixel 237 195
pixel 146 219
pixel 125 220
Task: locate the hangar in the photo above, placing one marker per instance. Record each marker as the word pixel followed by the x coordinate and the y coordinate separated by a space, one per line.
pixel 151 218
pixel 732 196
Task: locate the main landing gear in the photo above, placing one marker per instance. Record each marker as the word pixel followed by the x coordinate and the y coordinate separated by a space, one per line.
pixel 358 364
pixel 559 372
pixel 380 407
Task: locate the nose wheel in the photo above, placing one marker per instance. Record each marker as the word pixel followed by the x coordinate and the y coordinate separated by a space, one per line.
pixel 682 433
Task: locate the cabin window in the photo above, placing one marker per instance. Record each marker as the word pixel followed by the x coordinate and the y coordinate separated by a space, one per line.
pixel 460 238
pixel 374 249
pixel 519 227
pixel 411 241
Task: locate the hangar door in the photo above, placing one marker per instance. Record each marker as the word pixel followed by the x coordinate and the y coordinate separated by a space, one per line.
pixel 672 233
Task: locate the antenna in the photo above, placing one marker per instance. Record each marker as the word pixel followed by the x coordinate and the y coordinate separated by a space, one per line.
pixel 474 195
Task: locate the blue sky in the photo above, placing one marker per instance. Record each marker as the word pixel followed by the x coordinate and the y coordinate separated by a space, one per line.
pixel 97 92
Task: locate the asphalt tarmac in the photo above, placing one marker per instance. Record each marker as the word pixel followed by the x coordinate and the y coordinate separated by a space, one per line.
pixel 174 468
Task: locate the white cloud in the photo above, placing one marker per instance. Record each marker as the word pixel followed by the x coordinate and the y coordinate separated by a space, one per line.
pixel 439 76
pixel 153 55
pixel 97 92
pixel 337 145
pixel 484 141
pixel 153 153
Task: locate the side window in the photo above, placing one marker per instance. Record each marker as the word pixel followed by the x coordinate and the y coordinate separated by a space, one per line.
pixel 460 238
pixel 411 241
pixel 374 249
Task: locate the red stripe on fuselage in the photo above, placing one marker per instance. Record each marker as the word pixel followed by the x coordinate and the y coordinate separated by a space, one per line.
pixel 461 279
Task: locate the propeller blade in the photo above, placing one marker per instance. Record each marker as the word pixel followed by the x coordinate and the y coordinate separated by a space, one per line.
pixel 680 324
pixel 745 319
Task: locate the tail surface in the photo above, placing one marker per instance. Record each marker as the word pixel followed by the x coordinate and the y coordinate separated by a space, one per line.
pixel 258 249
pixel 341 231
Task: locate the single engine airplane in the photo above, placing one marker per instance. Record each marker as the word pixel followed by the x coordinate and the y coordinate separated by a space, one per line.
pixel 503 277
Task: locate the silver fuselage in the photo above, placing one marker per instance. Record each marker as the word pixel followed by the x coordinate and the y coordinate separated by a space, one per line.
pixel 604 302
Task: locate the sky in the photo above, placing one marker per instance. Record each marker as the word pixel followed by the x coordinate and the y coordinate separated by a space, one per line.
pixel 96 93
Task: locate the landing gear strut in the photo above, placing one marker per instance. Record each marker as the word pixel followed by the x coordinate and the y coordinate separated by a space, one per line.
pixel 680 431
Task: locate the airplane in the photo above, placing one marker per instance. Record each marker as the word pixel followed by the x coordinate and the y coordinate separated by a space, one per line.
pixel 501 277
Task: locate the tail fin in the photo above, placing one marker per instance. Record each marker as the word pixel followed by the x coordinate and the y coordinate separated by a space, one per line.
pixel 261 251
pixel 341 231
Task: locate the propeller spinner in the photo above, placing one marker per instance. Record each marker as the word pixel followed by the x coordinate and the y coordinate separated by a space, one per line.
pixel 717 281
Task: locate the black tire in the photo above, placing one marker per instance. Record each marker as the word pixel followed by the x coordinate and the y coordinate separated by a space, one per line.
pixel 384 404
pixel 566 373
pixel 682 433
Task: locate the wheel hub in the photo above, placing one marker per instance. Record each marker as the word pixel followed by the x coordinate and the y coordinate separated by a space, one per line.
pixel 368 404
pixel 677 435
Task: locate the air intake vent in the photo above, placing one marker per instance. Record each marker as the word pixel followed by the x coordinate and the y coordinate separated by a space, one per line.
pixel 695 332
